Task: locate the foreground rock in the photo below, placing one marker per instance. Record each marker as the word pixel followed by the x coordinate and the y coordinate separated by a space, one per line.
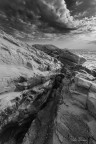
pixel 44 97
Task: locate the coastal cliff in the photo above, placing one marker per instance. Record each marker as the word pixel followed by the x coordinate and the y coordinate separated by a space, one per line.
pixel 46 95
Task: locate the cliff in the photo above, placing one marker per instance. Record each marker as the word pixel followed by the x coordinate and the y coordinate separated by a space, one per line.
pixel 46 95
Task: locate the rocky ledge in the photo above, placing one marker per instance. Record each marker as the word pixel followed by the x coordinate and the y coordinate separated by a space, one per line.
pixel 46 95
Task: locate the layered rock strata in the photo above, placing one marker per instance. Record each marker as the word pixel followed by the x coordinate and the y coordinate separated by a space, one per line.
pixel 46 96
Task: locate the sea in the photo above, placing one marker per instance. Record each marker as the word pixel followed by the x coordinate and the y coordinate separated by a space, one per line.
pixel 89 55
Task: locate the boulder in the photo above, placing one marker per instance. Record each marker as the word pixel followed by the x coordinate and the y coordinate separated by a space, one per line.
pixel 81 81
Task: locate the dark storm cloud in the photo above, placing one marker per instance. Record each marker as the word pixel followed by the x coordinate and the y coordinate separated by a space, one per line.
pixel 59 13
pixel 56 11
pixel 52 11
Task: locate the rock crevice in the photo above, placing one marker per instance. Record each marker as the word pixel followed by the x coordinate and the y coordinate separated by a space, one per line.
pixel 46 97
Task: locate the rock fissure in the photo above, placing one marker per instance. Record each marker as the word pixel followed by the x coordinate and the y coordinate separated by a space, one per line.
pixel 52 103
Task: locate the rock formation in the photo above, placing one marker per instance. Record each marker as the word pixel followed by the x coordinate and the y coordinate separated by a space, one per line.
pixel 46 95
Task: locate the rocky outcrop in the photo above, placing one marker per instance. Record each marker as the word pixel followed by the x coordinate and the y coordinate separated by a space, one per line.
pixel 65 56
pixel 46 96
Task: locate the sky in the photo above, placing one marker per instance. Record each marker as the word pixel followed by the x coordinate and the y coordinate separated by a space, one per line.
pixel 87 42
pixel 82 13
pixel 65 23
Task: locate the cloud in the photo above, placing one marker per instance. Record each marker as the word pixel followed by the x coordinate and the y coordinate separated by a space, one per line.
pixel 56 11
pixel 81 14
pixel 84 8
pixel 50 10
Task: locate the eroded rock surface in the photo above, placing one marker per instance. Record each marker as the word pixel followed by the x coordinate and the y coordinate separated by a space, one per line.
pixel 46 96
pixel 65 56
